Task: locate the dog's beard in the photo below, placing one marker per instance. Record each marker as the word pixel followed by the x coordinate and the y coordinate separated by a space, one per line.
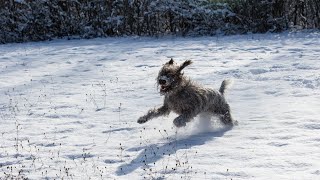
pixel 164 89
pixel 165 85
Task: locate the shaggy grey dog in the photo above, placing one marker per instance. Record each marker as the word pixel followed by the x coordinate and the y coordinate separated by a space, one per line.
pixel 186 98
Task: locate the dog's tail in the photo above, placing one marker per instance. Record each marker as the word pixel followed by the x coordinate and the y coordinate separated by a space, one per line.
pixel 225 85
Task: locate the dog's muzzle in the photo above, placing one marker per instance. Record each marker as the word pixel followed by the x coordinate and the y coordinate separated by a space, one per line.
pixel 164 83
pixel 164 80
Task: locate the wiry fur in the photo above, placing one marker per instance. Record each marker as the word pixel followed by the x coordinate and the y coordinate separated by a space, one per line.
pixel 186 98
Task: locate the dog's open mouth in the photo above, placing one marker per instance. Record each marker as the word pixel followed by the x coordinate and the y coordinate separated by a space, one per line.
pixel 164 88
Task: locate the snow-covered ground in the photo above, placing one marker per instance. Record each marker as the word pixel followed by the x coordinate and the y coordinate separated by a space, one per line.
pixel 68 109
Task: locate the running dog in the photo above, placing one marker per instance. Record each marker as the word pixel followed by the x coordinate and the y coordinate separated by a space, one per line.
pixel 186 98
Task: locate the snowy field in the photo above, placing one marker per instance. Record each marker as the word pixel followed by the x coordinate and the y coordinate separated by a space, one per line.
pixel 68 109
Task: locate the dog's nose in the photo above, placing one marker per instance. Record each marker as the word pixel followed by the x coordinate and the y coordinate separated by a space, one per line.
pixel 161 81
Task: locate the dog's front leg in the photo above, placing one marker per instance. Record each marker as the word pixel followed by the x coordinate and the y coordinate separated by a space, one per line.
pixel 153 113
pixel 182 120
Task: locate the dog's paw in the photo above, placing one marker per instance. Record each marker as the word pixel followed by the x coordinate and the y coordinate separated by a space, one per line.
pixel 142 120
pixel 179 122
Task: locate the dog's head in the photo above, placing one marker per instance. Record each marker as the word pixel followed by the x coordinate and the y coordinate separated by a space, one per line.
pixel 170 75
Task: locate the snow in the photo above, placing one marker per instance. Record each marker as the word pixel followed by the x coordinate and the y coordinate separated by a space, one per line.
pixel 68 109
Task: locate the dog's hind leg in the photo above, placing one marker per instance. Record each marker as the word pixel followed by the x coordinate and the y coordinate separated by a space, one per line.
pixel 182 120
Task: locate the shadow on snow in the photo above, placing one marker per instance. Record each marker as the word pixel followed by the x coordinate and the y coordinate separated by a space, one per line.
pixel 154 152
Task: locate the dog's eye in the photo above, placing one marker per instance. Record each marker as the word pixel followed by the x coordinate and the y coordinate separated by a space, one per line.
pixel 170 75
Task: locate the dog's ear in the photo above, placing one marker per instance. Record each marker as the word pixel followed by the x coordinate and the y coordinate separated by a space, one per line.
pixel 170 62
pixel 183 65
